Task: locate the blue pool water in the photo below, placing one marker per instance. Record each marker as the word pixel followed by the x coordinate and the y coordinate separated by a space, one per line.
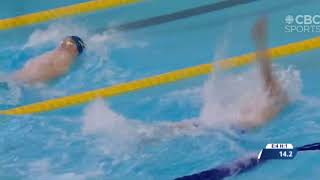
pixel 120 138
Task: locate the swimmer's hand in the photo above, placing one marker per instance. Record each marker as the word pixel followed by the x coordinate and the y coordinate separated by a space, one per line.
pixel 259 32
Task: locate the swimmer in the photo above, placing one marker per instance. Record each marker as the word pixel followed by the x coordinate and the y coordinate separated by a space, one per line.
pixel 52 64
pixel 261 109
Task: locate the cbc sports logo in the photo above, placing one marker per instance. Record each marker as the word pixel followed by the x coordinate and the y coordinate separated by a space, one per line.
pixel 302 23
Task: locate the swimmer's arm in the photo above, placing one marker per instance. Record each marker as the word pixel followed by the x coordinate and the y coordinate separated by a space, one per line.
pixel 17 76
pixel 259 34
pixel 26 73
pixel 182 126
pixel 276 96
pixel 40 69
pixel 22 75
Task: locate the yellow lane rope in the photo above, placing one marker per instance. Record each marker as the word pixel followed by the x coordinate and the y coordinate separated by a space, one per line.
pixel 43 16
pixel 276 52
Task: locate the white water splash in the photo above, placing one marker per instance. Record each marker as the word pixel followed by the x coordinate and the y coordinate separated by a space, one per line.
pixel 220 51
pixel 222 99
pixel 181 97
pixel 224 96
pixel 98 44
pixel 41 169
pixel 10 92
pixel 54 34
pixel 103 42
pixel 110 129
pixel 100 119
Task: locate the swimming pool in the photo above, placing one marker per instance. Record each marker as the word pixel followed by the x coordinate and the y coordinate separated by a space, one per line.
pixel 95 141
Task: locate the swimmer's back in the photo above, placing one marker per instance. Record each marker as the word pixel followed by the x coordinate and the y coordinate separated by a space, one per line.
pixel 43 68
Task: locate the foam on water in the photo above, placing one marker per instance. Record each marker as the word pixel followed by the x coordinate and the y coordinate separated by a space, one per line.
pixel 54 34
pixel 190 96
pixel 100 119
pixel 98 44
pixel 41 169
pixel 10 93
pixel 224 96
pixel 111 130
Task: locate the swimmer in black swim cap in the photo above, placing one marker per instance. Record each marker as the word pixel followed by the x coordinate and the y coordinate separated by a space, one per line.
pixel 73 42
pixel 52 64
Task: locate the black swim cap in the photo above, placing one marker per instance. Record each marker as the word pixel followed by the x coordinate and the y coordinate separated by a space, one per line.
pixel 79 43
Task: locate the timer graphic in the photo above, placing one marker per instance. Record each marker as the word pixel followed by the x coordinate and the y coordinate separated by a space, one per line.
pixel 277 151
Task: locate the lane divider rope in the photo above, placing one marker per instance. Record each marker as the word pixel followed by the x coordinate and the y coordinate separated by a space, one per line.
pixel 178 15
pixel 76 9
pixel 203 69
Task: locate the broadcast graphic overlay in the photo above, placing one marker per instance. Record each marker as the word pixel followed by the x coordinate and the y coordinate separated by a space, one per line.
pixel 251 161
pixel 277 151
